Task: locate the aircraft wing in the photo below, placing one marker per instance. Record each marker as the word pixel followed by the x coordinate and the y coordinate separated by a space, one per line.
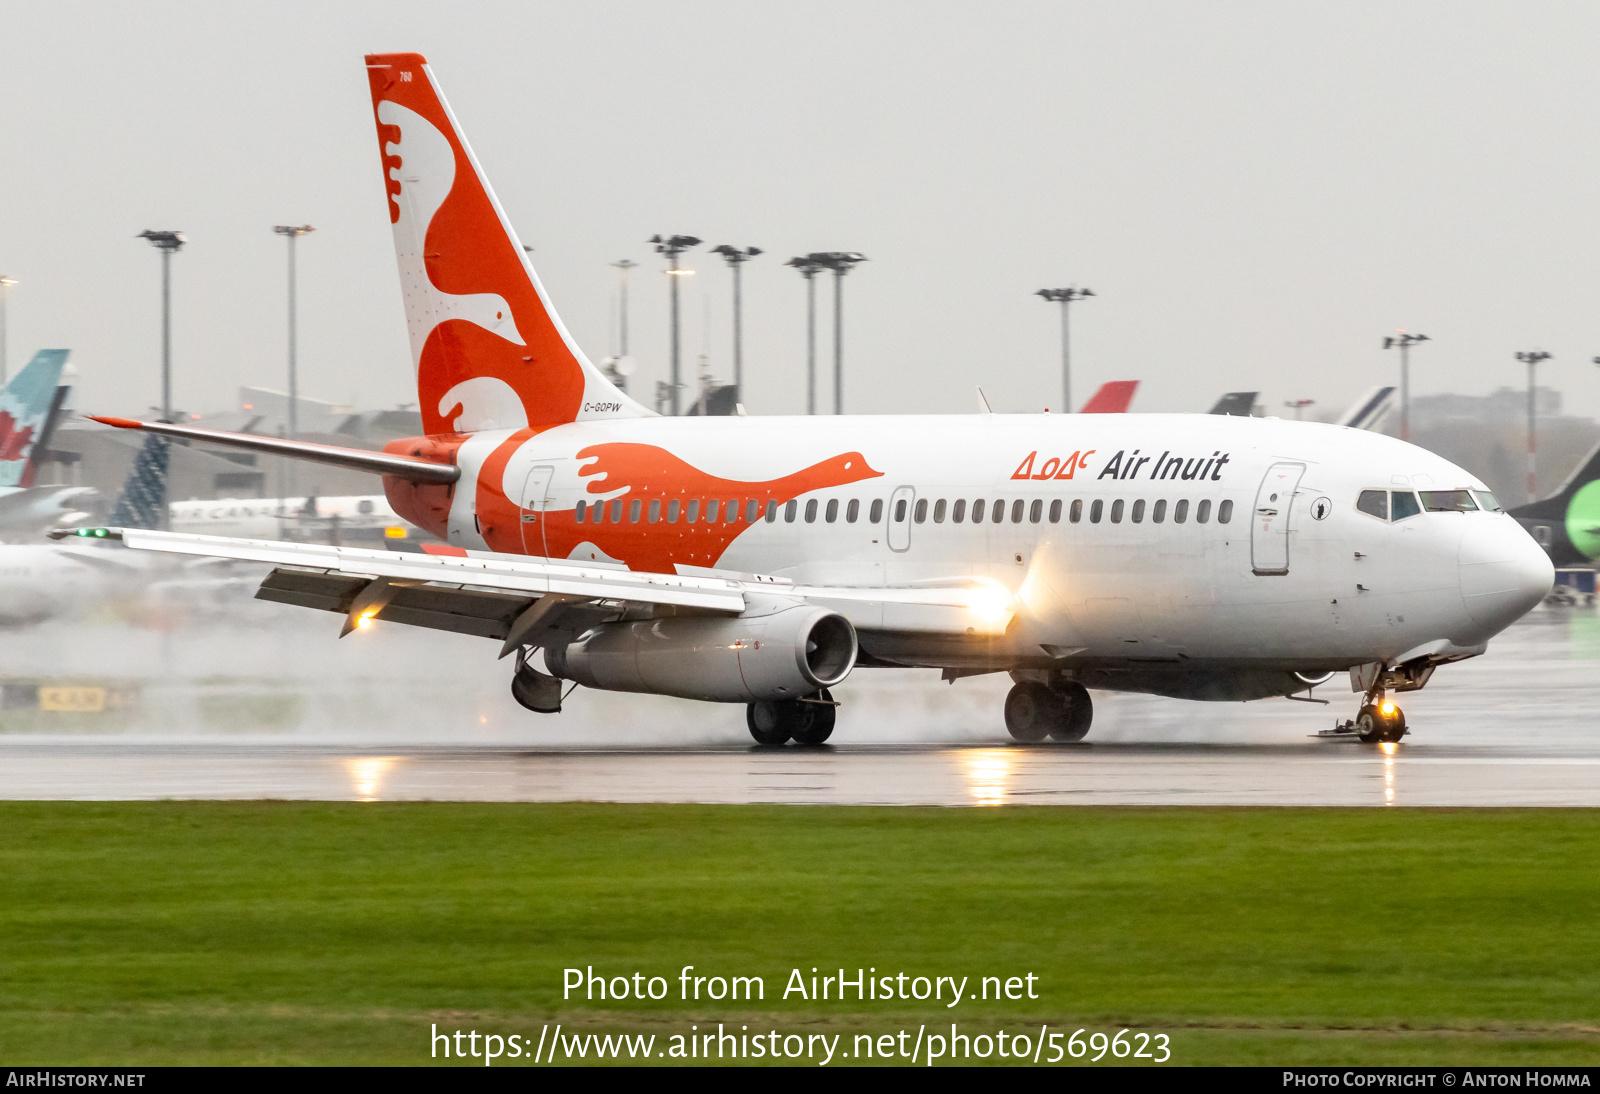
pixel 529 600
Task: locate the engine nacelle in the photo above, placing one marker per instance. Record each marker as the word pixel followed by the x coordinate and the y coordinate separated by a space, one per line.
pixel 779 650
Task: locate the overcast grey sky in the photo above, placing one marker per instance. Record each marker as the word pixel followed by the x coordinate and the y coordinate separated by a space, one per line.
pixel 1258 192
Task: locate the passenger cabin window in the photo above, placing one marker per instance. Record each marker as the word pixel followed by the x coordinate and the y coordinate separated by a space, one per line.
pixel 1403 504
pixel 852 511
pixel 1486 501
pixel 1116 511
pixel 633 511
pixel 1448 501
pixel 616 511
pixel 1077 510
pixel 711 511
pixel 1180 511
pixel 655 510
pixel 1202 512
pixel 1374 503
pixel 1095 511
pixel 582 506
pixel 900 511
pixel 998 510
pixel 790 510
pixel 1225 512
pixel 1016 511
pixel 876 514
pixel 938 511
pixel 752 510
pixel 958 511
pixel 922 511
pixel 811 511
pixel 1138 511
pixel 977 511
pixel 772 511
pixel 831 514
pixel 1055 511
pixel 1036 511
pixel 1158 511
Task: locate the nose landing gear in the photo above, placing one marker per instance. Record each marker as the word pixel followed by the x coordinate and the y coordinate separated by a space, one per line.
pixel 1379 721
pixel 1035 711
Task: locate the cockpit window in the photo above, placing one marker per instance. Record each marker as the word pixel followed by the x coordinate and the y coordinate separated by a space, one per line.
pixel 1403 504
pixel 1448 501
pixel 1374 503
pixel 1486 501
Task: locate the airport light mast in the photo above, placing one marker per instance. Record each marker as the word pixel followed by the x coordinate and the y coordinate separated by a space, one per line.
pixel 1532 358
pixel 809 270
pixel 841 263
pixel 1065 297
pixel 5 330
pixel 291 234
pixel 1404 341
pixel 736 258
pixel 619 371
pixel 168 243
pixel 672 247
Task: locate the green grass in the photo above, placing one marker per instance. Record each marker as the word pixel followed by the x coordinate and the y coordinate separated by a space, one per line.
pixel 273 932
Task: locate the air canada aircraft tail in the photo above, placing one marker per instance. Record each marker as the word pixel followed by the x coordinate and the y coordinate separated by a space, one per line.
pixel 29 406
pixel 488 348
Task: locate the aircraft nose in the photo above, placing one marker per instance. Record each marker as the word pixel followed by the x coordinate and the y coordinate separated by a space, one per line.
pixel 1504 573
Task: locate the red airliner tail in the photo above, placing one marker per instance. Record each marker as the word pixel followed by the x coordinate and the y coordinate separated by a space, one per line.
pixel 1113 398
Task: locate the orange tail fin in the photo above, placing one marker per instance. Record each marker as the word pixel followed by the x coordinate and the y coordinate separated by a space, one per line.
pixel 489 350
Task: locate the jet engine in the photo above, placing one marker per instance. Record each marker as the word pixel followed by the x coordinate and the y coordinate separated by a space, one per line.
pixel 778 650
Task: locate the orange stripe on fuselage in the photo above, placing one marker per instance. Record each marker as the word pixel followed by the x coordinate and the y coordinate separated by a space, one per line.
pixel 648 473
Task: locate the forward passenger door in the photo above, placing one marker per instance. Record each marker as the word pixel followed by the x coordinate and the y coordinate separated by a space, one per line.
pixel 1269 521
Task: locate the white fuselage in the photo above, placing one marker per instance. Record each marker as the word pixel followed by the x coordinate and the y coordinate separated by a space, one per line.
pixel 1296 578
pixel 314 518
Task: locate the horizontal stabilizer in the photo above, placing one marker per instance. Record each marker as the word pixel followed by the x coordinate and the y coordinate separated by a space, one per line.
pixel 1113 397
pixel 357 459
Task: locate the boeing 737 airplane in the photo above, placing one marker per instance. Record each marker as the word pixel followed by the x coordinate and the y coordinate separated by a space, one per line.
pixel 761 560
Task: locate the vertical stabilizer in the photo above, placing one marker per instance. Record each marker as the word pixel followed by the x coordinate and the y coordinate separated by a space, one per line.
pixel 489 350
pixel 143 501
pixel 25 407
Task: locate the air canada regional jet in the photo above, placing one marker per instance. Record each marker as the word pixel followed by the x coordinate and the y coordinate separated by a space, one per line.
pixel 761 560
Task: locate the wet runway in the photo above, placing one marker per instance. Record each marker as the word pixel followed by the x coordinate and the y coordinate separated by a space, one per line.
pixel 398 719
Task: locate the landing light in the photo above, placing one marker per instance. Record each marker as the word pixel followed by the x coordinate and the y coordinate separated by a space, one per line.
pixel 364 621
pixel 1386 707
pixel 990 603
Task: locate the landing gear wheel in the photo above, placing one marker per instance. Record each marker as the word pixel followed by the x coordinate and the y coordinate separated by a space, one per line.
pixel 816 719
pixel 1374 724
pixel 774 721
pixel 1077 712
pixel 769 722
pixel 1032 711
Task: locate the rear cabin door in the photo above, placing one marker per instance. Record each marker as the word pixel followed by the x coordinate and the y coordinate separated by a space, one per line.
pixel 1269 527
pixel 535 499
pixel 900 505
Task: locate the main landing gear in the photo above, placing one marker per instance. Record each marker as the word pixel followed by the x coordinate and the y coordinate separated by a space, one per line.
pixel 807 721
pixel 1035 711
